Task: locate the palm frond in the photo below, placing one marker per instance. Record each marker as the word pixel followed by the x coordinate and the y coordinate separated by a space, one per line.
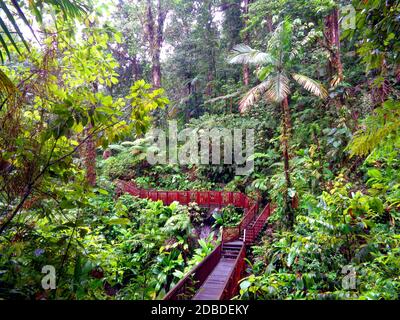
pixel 7 32
pixel 311 85
pixel 243 54
pixel 11 19
pixel 279 89
pixel 253 95
pixel 21 14
pixel 294 53
pixel 69 8
pixel 9 26
pixel 225 97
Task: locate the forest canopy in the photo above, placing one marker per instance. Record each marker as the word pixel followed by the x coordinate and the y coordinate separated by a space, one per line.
pixel 305 94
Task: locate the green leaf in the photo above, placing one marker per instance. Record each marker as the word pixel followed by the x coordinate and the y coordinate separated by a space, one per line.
pixel 244 285
pixel 119 221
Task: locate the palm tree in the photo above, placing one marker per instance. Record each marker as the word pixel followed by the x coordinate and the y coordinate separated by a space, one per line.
pixel 275 71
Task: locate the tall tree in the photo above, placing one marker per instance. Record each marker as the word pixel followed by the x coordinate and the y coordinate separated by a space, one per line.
pixel 153 27
pixel 206 19
pixel 276 69
pixel 129 52
pixel 332 39
pixel 246 38
pixel 89 147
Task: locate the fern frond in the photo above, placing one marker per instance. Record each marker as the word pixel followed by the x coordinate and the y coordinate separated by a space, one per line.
pixel 377 128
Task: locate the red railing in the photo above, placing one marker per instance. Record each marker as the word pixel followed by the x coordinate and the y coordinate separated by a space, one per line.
pixel 231 285
pixel 202 198
pixel 248 217
pixel 195 278
pixel 250 226
pixel 253 230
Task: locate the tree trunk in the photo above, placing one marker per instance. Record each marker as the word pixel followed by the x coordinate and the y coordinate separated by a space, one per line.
pixel 286 126
pixel 332 39
pixel 246 74
pixel 156 70
pixel 153 31
pixel 270 26
pixel 89 149
pixel 90 158
pixel 136 68
pixel 211 72
pixel 246 40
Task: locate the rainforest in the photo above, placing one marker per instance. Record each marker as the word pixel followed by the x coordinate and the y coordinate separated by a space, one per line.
pixel 199 150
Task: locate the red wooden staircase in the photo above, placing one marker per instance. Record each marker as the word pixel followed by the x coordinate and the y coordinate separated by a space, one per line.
pixel 218 275
pixel 222 281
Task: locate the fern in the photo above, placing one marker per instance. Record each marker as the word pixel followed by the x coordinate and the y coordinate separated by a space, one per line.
pixel 378 128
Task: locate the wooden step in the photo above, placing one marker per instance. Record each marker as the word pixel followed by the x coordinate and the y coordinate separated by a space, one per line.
pixel 233 243
pixel 231 247
pixel 229 256
pixel 230 252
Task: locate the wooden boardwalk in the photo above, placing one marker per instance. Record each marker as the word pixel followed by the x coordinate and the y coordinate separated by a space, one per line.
pixel 215 284
pixel 217 276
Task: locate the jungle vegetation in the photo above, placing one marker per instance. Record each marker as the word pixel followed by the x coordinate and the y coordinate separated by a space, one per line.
pixel 82 82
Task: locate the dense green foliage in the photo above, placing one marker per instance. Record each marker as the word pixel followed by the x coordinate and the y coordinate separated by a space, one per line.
pixel 82 82
pixel 136 245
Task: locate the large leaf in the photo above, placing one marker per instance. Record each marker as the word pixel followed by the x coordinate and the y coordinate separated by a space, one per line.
pixel 9 25
pixel 311 85
pixel 243 54
pixel 279 89
pixel 253 95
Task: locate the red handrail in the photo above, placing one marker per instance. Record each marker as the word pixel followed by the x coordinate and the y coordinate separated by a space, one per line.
pixel 250 225
pixel 248 217
pixel 195 278
pixel 254 230
pixel 203 198
pixel 231 284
